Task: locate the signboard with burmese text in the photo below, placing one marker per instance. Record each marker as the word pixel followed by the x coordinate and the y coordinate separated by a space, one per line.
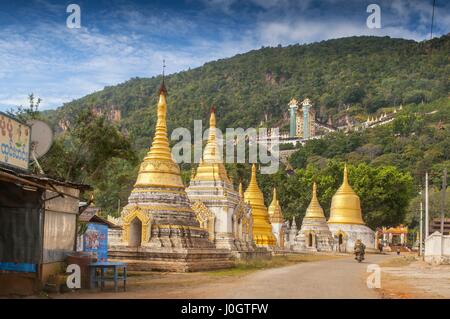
pixel 14 142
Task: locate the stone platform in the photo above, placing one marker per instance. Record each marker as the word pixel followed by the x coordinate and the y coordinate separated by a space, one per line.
pixel 176 259
pixel 257 253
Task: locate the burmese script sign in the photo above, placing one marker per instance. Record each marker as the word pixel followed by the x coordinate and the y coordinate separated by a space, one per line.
pixel 14 142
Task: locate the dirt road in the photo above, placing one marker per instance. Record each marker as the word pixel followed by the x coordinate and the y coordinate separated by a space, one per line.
pixel 333 278
pixel 338 278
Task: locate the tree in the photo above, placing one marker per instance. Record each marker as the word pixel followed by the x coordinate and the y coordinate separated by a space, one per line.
pixel 406 124
pixel 28 113
pixel 384 191
pixel 87 151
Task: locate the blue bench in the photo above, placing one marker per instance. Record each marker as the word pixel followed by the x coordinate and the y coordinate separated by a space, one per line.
pixel 98 274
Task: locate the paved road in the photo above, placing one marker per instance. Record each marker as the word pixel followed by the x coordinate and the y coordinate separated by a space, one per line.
pixel 335 278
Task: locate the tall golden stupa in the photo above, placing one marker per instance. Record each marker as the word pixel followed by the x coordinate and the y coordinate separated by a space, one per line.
pixel 346 222
pixel 262 230
pixel 345 205
pixel 158 167
pixel 160 229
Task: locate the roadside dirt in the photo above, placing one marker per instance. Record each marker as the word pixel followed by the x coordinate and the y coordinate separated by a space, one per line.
pixel 407 277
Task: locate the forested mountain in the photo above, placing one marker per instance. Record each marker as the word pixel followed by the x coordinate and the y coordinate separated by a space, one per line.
pixel 252 89
pixel 355 76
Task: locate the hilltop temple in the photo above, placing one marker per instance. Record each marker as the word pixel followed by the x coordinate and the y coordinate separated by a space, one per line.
pixel 314 235
pixel 277 221
pixel 262 229
pixel 346 222
pixel 160 229
pixel 220 209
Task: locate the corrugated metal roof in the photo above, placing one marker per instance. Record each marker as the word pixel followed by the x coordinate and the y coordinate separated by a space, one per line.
pixel 41 179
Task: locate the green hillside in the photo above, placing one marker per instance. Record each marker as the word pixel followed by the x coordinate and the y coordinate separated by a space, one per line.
pixel 355 76
pixel 254 88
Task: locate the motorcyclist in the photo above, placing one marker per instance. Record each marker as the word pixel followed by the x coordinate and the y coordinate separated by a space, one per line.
pixel 359 249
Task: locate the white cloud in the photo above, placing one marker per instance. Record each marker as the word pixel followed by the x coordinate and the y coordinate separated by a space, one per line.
pixel 59 64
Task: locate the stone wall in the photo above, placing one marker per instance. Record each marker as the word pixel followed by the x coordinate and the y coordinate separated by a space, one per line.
pixel 437 249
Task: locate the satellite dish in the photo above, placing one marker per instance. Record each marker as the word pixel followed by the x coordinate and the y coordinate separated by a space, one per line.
pixel 41 137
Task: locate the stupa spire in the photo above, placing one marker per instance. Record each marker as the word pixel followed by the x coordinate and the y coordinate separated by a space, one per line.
pixel 275 214
pixel 314 209
pixel 211 167
pixel 345 179
pixel 158 167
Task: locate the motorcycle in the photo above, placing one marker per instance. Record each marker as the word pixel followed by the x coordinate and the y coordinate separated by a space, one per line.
pixel 359 256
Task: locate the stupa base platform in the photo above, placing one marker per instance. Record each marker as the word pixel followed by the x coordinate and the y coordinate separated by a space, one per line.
pixel 345 236
pixel 171 259
pixel 314 236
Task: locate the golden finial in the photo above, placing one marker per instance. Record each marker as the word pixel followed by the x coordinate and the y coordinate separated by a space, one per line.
pixel 241 192
pixel 162 88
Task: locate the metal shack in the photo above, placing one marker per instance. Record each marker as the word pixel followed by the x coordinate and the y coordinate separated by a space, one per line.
pixel 38 223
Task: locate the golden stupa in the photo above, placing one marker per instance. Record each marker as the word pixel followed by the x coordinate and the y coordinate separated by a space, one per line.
pixel 345 205
pixel 314 209
pixel 275 215
pixel 262 230
pixel 211 167
pixel 160 228
pixel 158 167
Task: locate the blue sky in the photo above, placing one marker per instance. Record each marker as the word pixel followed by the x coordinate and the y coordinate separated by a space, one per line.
pixel 123 39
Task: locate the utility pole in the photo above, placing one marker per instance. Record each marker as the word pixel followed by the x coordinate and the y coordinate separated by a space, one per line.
pixel 427 227
pixel 444 188
pixel 421 225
